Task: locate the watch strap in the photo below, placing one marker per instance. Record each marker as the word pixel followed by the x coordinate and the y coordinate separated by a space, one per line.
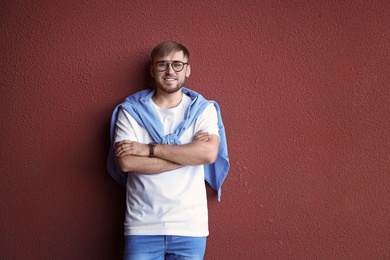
pixel 152 145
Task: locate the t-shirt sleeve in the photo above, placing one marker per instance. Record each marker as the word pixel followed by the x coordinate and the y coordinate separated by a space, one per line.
pixel 123 128
pixel 208 121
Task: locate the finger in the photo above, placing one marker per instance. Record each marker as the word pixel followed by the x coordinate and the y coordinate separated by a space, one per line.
pixel 200 133
pixel 121 153
pixel 123 142
pixel 120 150
pixel 125 145
pixel 204 135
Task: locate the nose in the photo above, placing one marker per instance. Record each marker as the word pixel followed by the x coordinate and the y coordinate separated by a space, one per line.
pixel 169 70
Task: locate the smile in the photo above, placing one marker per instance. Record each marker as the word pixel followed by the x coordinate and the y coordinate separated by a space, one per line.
pixel 170 79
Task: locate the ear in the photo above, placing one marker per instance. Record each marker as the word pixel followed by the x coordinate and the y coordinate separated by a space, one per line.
pixel 151 70
pixel 188 70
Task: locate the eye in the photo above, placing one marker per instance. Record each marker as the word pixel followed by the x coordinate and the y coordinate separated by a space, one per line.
pixel 177 65
pixel 161 65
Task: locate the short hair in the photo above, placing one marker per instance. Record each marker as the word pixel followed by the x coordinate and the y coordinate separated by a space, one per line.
pixel 168 47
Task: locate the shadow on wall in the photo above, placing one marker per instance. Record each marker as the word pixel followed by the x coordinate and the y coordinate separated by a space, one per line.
pixel 139 79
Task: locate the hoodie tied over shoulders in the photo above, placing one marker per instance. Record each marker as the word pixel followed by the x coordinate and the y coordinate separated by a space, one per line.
pixel 138 106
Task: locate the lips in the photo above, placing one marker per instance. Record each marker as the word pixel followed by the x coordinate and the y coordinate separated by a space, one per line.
pixel 170 79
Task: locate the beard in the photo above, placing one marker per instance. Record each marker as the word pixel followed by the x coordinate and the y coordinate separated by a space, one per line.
pixel 170 89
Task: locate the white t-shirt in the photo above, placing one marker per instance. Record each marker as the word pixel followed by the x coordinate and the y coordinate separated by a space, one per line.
pixel 173 202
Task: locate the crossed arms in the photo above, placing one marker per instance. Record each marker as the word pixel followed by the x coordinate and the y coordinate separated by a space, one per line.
pixel 134 156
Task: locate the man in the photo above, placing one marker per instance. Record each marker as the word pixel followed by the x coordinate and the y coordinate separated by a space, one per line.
pixel 169 140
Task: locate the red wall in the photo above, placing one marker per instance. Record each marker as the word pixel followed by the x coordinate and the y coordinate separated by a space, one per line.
pixel 304 87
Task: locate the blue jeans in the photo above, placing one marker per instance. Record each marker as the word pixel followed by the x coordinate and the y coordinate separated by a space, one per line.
pixel 164 247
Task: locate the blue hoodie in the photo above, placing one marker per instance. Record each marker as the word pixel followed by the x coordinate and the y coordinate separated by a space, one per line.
pixel 138 106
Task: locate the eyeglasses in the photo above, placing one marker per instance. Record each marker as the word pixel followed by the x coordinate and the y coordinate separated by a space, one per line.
pixel 176 65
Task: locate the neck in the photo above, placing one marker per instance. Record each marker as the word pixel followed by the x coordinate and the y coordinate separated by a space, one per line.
pixel 167 100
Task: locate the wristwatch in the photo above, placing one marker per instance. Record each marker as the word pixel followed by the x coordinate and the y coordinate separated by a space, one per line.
pixel 152 145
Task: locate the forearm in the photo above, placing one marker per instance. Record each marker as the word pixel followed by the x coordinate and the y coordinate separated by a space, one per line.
pixel 194 153
pixel 203 150
pixel 145 165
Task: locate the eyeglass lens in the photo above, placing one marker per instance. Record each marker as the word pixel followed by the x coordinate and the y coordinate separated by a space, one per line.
pixel 176 65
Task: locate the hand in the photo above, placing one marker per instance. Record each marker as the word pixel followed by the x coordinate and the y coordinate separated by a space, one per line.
pixel 201 136
pixel 127 147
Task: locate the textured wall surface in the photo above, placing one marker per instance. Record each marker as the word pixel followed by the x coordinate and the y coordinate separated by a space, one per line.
pixel 304 87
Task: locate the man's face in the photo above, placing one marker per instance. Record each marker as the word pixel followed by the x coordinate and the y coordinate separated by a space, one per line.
pixel 170 80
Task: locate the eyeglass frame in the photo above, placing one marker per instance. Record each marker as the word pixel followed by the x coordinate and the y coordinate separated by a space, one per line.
pixel 170 64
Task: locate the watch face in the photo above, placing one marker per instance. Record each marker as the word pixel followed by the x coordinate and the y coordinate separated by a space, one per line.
pixel 151 148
